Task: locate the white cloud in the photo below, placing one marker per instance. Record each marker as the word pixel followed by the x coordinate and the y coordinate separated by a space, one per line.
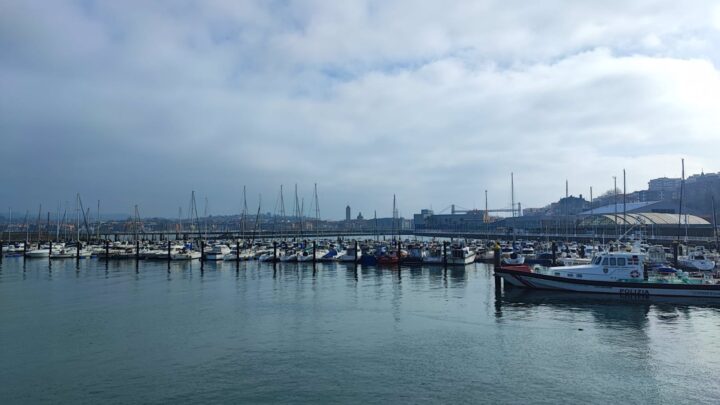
pixel 433 101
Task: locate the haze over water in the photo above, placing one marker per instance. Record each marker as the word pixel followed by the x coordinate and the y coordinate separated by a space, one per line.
pixel 150 333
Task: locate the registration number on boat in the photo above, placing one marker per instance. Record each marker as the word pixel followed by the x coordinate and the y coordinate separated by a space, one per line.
pixel 634 292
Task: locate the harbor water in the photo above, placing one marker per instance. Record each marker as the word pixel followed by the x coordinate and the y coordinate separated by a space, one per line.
pixel 153 332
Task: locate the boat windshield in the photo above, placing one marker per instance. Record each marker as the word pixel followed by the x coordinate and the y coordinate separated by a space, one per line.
pixel 597 260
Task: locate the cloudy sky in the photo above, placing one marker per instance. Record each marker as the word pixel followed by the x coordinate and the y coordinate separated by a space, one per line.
pixel 140 102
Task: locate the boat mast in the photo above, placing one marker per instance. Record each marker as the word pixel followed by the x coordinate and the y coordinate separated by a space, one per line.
pixel 566 209
pixel 195 221
pixel 98 221
pixel 615 192
pixel 37 224
pixel 624 202
pixel 244 214
pixel 592 212
pixel 317 212
pixel 27 226
pixel 282 212
pixel 512 194
pixel 395 217
pixel 257 220
pixel 302 215
pixel 377 236
pixel 9 224
pixel 682 187
pixel 136 222
pixel 77 214
pixel 715 232
pixel 61 222
pixel 205 217
pixel 85 221
pixel 297 214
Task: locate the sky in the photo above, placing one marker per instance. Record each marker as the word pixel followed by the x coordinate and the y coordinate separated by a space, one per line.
pixel 141 102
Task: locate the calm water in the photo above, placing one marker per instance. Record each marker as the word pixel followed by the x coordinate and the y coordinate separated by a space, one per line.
pixel 121 333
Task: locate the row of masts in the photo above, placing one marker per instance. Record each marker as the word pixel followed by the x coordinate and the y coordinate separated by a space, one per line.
pixel 295 226
pixel 82 222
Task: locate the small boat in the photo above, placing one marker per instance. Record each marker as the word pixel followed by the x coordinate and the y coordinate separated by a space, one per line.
pixel 435 256
pixel 388 258
pixel 542 259
pixel 528 251
pixel 217 252
pixel 460 255
pixel 40 252
pixel 331 255
pixel 287 256
pixel 69 252
pixel 514 259
pixel 696 261
pixel 185 254
pixel 351 255
pixel 306 255
pixel 416 255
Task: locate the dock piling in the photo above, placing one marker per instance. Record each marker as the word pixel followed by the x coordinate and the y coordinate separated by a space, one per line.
pixel 445 253
pixel 496 265
pixel 314 258
pixel 50 247
pixel 107 249
pixel 399 256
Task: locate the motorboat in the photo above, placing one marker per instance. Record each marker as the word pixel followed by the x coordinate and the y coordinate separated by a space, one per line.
pixel 514 259
pixel 217 252
pixel 460 255
pixel 416 254
pixel 617 272
pixel 696 261
pixel 434 256
pixel 40 252
pixel 185 254
pixel 351 255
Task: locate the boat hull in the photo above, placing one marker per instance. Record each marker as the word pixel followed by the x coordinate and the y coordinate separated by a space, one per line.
pixel 546 282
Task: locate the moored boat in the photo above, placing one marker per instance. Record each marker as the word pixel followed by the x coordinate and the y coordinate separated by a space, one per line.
pixel 460 255
pixel 612 273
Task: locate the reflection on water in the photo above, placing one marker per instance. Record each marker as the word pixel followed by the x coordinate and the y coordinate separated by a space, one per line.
pixel 96 331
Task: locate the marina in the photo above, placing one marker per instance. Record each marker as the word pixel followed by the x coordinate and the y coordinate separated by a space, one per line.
pixel 392 202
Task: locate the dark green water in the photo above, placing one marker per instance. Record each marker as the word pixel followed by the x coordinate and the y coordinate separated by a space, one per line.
pixel 121 334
